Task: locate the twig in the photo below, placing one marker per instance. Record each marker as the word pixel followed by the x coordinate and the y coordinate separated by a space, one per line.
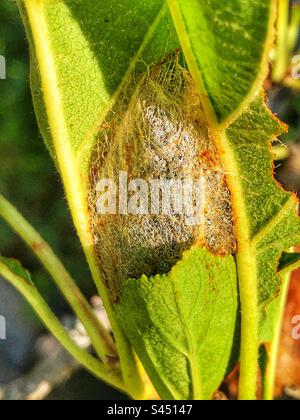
pixel 33 297
pixel 292 392
pixel 55 367
pixel 49 373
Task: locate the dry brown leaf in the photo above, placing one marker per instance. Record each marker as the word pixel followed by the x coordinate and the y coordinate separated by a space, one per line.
pixel 288 372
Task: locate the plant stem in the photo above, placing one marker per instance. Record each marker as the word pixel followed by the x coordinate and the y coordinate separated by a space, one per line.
pixel 247 276
pixel 249 330
pixel 294 28
pixel 292 83
pixel 280 152
pixel 99 336
pixel 281 58
pixel 32 295
pixel 273 351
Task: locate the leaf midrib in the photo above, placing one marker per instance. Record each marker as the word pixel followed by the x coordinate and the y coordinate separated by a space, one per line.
pixel 192 355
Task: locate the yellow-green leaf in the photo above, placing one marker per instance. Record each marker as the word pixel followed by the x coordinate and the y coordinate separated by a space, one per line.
pixel 182 324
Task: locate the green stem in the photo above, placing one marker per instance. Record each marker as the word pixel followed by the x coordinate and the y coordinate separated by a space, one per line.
pixel 33 297
pixel 99 336
pixel 281 58
pixel 291 83
pixel 247 277
pixel 249 329
pixel 273 351
pixel 294 28
pixel 280 152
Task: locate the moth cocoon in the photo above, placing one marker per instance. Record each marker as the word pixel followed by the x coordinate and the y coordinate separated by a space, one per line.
pixel 156 183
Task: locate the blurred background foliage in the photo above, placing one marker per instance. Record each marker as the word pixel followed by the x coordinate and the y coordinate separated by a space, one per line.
pixel 27 175
pixel 29 179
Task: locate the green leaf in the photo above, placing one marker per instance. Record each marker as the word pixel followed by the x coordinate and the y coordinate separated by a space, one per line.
pixel 182 324
pixel 83 53
pixel 271 212
pixel 226 45
pixel 90 45
pixel 16 267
